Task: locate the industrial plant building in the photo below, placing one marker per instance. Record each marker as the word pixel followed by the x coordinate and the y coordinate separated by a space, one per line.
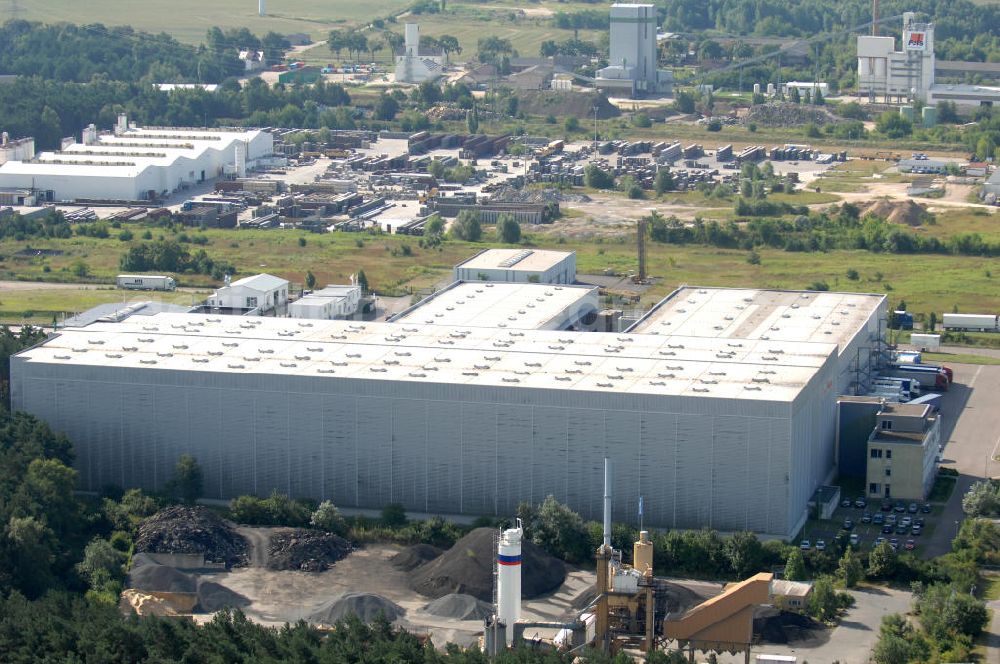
pixel 260 293
pixel 519 265
pixel 328 303
pixel 133 164
pixel 416 64
pixel 910 74
pixel 634 57
pixel 726 428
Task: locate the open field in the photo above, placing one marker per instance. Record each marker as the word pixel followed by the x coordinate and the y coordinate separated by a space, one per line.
pixel 40 305
pixel 188 20
pixel 926 282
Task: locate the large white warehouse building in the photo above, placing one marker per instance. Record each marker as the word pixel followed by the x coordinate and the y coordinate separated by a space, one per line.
pixel 721 431
pixel 133 164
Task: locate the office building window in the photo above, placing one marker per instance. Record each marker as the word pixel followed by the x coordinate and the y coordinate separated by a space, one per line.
pixel 876 454
pixel 888 472
pixel 888 454
pixel 887 425
pixel 873 488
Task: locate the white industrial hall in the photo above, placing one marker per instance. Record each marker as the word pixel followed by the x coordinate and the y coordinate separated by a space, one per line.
pixel 726 428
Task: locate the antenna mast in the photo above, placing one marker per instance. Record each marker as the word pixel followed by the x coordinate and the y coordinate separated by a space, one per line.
pixel 874 18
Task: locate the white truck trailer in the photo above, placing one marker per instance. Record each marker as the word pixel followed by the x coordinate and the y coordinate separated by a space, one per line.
pixel 970 322
pixel 152 282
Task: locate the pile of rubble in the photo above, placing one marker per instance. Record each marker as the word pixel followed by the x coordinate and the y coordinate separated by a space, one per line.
pixel 787 114
pixel 513 195
pixel 306 550
pixel 181 529
pixel 439 113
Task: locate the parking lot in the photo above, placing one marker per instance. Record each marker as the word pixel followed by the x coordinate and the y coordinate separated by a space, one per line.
pixel 870 523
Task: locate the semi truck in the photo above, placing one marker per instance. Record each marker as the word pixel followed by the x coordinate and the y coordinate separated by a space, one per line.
pixel 151 282
pixel 970 322
pixel 930 377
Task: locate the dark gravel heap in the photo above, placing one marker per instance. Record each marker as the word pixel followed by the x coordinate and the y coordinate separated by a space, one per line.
pixel 782 627
pixel 414 556
pixel 306 550
pixel 467 568
pixel 182 529
pixel 366 606
pixel 459 607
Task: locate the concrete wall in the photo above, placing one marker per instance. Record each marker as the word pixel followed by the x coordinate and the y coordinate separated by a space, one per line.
pixel 729 464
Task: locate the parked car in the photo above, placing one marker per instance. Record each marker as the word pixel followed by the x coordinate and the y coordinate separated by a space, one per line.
pixel 855 540
pixel 910 545
pixel 919 522
pixel 820 545
pixel 886 506
pixel 848 524
pixel 900 507
pixel 861 503
pixel 891 519
pixel 926 508
pixel 846 502
pixel 906 521
pixel 887 529
pixel 878 519
pixel 912 509
pixel 866 518
pixel 916 530
pixel 901 529
pixel 805 545
pixel 894 543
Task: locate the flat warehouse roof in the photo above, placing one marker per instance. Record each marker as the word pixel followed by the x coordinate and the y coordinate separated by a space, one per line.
pixel 736 313
pixel 513 305
pixel 522 260
pixel 454 355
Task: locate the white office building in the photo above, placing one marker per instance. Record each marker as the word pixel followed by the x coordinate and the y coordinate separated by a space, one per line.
pixel 261 293
pixel 327 304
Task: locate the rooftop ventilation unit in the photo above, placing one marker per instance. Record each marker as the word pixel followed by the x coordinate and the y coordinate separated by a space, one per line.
pixel 516 258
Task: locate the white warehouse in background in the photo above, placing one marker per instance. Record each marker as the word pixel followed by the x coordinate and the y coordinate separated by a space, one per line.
pixel 133 164
pixel 416 67
pixel 519 265
pixel 261 293
pixel 327 304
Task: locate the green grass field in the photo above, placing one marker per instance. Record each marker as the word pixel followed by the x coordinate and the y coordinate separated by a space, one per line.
pixel 926 282
pixel 189 20
pixel 40 305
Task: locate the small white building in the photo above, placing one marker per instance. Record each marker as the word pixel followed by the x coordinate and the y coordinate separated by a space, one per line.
pixel 261 292
pixel 519 265
pixel 414 66
pixel 252 60
pixel 330 303
pixel 806 88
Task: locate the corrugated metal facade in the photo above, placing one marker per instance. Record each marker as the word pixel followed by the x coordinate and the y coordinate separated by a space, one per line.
pixel 729 464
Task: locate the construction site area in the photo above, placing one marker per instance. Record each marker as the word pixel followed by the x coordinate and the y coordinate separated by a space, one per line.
pixel 491 589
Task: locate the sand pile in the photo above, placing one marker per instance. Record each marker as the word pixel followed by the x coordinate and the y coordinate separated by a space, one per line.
pixel 467 568
pixel 305 550
pixel 414 556
pixel 181 529
pixel 459 607
pixel 366 606
pixel 898 212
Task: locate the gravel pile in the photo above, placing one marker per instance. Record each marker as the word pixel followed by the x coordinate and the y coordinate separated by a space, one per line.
pixel 306 550
pixel 160 578
pixel 514 195
pixel 459 607
pixel 414 556
pixel 366 606
pixel 467 568
pixel 787 114
pixel 902 212
pixel 214 597
pixel 181 529
pixel 784 627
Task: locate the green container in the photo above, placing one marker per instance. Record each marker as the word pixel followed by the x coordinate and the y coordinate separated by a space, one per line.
pixel 906 112
pixel 929 116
